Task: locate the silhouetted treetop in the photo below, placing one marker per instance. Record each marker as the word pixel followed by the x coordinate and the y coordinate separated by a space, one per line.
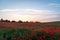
pixel 20 21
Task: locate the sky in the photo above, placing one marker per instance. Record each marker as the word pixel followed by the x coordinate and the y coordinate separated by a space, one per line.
pixel 30 10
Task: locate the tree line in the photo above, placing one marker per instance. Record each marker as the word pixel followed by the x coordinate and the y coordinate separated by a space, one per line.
pixel 2 20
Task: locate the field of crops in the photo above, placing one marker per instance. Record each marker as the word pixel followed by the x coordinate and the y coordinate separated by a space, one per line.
pixel 29 31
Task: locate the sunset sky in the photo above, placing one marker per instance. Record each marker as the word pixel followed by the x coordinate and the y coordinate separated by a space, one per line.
pixel 30 10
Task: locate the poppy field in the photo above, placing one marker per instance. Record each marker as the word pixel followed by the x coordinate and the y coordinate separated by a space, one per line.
pixel 29 31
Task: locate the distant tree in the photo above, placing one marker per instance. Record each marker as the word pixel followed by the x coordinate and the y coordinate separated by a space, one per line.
pixel 37 22
pixel 26 22
pixel 20 21
pixel 13 21
pixel 6 20
pixel 2 20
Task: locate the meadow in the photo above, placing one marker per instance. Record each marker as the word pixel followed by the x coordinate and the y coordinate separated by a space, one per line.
pixel 29 31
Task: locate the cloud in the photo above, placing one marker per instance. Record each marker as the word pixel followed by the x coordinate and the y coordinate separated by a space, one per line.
pixel 25 11
pixel 28 14
pixel 8 10
pixel 54 4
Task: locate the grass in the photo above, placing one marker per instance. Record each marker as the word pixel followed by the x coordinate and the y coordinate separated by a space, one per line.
pixel 26 34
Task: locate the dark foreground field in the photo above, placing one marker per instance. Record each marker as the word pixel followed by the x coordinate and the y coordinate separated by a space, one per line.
pixel 29 31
